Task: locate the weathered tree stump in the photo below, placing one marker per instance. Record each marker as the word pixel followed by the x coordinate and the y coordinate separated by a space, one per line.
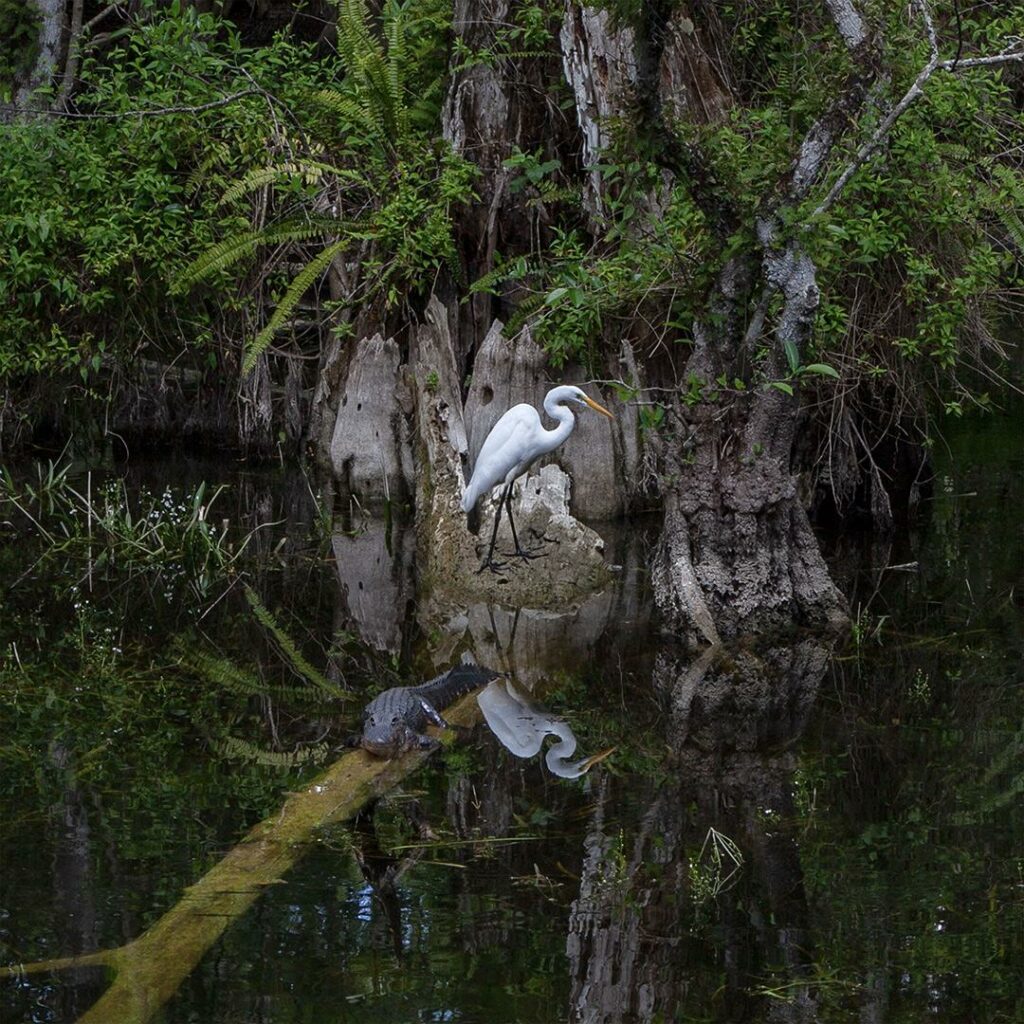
pixel 371 454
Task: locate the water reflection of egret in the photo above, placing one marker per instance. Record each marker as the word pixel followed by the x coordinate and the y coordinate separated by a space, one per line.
pixel 522 726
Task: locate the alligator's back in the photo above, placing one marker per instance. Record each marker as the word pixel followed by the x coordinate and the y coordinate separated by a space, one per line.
pixel 446 688
pixel 395 719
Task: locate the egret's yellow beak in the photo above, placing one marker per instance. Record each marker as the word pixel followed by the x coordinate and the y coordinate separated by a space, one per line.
pixel 597 758
pixel 598 408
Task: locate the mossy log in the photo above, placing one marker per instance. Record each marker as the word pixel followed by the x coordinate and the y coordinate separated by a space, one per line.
pixel 149 970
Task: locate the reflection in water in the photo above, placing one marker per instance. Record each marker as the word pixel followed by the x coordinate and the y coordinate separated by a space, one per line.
pixel 522 726
pixel 74 891
pixel 376 583
pixel 645 904
pixel 530 644
pixel 880 823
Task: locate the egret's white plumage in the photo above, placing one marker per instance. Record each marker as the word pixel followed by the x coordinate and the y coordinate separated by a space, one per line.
pixel 522 727
pixel 515 442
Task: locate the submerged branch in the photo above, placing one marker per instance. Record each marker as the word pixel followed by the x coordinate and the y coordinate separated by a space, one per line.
pixel 150 969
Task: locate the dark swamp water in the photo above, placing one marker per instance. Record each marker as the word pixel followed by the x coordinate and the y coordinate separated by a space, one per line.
pixel 785 833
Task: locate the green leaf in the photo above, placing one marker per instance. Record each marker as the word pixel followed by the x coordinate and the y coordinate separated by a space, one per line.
pixel 309 273
pixel 781 385
pixel 792 355
pixel 821 368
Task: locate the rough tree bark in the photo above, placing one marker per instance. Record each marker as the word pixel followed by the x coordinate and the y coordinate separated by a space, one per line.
pixel 737 552
pixel 734 523
pixel 492 108
pixel 371 454
pixel 48 56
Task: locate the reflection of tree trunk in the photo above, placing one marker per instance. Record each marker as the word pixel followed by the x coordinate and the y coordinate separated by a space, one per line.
pixel 73 904
pixel 625 928
pixel 635 926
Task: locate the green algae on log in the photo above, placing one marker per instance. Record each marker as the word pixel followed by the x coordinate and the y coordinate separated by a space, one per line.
pixel 148 970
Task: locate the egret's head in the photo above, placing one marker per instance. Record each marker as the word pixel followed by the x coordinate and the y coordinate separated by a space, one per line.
pixel 578 395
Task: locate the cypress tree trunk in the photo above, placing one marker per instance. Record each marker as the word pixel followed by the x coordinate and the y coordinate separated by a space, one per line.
pixel 47 61
pixel 737 552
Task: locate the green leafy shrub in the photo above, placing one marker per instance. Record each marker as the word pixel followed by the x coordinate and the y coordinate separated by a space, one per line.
pixel 371 160
pixel 99 213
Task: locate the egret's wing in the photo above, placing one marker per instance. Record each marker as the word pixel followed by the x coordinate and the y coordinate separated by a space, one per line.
pixel 510 435
pixel 508 444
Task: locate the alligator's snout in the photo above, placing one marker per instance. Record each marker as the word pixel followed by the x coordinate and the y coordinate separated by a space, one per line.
pixel 379 747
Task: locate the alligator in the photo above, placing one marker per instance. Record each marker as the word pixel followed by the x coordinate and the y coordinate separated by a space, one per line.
pixel 393 722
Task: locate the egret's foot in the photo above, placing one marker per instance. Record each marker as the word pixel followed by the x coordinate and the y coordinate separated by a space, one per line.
pixel 495 567
pixel 526 556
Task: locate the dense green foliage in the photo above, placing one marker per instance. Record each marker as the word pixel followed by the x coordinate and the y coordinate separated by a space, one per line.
pixel 281 179
pixel 369 155
pixel 920 260
pixel 99 212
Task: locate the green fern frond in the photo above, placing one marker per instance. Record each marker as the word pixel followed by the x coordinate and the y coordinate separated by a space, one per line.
pixel 395 66
pixel 1013 225
pixel 290 300
pixel 220 672
pixel 224 254
pixel 357 113
pixel 354 36
pixel 218 153
pixel 287 647
pixel 956 151
pixel 515 270
pixel 226 675
pixel 1006 202
pixel 238 247
pixel 257 178
pixel 239 749
pixel 311 172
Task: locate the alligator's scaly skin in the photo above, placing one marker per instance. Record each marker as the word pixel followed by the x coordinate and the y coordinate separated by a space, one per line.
pixel 394 720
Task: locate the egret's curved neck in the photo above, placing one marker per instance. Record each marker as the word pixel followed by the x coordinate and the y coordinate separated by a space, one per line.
pixel 559 753
pixel 557 411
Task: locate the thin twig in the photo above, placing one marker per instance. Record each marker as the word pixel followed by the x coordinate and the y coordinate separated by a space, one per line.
pixel 915 90
pixel 155 112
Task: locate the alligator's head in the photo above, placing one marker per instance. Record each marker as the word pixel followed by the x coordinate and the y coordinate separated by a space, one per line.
pixel 387 736
pixel 383 734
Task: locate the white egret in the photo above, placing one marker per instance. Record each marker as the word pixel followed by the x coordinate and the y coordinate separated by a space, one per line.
pixel 521 727
pixel 514 443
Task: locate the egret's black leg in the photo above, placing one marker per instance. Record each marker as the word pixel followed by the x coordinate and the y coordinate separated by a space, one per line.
pixel 515 540
pixel 489 562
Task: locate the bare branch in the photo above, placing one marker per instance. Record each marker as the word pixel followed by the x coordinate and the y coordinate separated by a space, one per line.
pixel 97 18
pixel 155 112
pixel 74 54
pixel 929 26
pixel 915 90
pixel 984 62
pixel 848 21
